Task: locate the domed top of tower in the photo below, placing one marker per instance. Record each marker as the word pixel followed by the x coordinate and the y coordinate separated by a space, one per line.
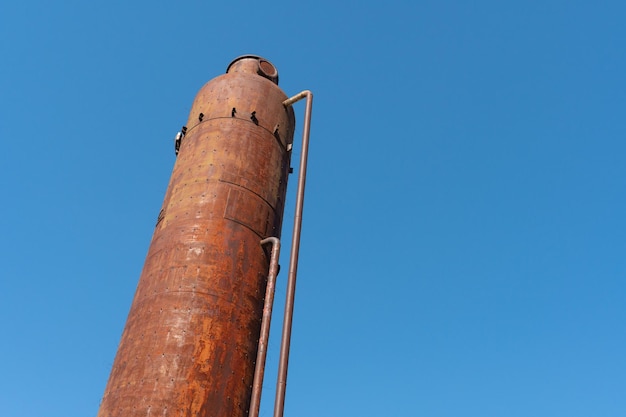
pixel 254 64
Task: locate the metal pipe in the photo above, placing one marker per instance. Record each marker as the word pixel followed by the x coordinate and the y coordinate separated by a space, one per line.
pixel 281 384
pixel 290 101
pixel 257 384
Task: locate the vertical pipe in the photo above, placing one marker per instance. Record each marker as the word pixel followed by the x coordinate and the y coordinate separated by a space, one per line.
pixel 259 370
pixel 281 384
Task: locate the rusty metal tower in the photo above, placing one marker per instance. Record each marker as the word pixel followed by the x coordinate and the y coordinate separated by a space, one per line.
pixel 196 336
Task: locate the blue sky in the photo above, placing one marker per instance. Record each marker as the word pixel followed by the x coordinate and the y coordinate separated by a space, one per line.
pixel 464 231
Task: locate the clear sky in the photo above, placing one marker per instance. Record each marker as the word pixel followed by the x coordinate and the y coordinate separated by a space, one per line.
pixel 464 231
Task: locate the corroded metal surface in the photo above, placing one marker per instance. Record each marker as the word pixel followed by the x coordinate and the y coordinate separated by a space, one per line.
pixel 190 341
